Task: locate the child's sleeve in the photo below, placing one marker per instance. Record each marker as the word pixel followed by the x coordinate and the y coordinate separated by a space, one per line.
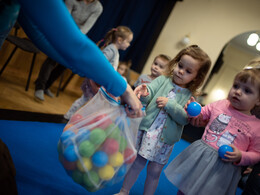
pixel 152 89
pixel 252 155
pixel 176 112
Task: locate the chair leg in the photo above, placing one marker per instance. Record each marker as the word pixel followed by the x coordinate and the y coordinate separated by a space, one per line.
pixel 30 73
pixel 61 79
pixel 67 81
pixel 8 60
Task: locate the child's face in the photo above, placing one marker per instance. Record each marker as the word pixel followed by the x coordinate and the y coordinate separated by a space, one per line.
pixel 185 71
pixel 244 96
pixel 122 69
pixel 158 67
pixel 124 44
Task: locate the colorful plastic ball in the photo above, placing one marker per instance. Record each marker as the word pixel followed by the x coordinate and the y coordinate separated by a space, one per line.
pixel 91 179
pixel 97 136
pixel 110 146
pixel 86 149
pixel 75 118
pixel 113 131
pixel 66 135
pixel 116 160
pixel 70 153
pixel 121 171
pixel 100 159
pixel 122 144
pixel 106 172
pixel 82 135
pixel 68 165
pixel 129 155
pixel 194 109
pixel 103 121
pixel 86 162
pixel 223 149
pixel 77 176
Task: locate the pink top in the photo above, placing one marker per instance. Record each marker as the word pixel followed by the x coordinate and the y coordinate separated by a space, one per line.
pixel 229 126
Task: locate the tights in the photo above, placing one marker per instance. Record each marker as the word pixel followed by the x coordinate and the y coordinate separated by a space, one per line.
pixel 153 174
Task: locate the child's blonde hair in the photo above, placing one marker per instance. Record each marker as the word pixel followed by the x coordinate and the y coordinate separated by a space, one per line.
pixel 111 37
pixel 250 72
pixel 128 64
pixel 164 57
pixel 197 53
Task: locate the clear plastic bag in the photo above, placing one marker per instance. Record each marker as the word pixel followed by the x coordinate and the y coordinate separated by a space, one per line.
pixel 97 146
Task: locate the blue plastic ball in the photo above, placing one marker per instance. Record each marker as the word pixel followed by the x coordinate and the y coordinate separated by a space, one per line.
pixel 70 154
pixel 223 149
pixel 122 171
pixel 194 109
pixel 100 159
pixel 82 135
pixel 66 134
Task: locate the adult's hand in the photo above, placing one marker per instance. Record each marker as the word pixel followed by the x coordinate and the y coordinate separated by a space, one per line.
pixel 131 100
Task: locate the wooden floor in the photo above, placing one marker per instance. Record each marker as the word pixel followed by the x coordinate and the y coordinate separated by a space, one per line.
pixel 13 81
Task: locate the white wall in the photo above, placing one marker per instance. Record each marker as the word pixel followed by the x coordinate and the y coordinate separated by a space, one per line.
pixel 210 23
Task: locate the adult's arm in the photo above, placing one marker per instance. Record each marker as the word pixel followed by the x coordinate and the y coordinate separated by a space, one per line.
pixel 68 45
pixel 92 18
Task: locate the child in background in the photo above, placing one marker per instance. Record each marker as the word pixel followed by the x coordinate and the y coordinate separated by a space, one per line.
pixel 199 169
pixel 165 117
pixel 159 65
pixel 116 39
pixel 123 69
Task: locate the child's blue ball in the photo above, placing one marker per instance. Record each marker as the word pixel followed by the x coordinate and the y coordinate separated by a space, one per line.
pixel 223 149
pixel 194 109
pixel 100 159
pixel 70 154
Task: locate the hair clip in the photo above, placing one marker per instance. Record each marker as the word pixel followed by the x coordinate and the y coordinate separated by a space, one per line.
pixel 114 29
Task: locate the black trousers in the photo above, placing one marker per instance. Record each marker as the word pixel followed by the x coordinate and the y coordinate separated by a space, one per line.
pixel 50 72
pixel 253 183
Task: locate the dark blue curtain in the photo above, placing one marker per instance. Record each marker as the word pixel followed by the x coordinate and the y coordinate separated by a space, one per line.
pixel 145 18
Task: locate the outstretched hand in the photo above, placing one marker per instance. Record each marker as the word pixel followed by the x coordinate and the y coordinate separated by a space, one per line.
pixel 141 90
pixel 197 121
pixel 131 100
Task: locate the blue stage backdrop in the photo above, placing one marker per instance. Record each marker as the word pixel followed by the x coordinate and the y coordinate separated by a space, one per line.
pixel 145 18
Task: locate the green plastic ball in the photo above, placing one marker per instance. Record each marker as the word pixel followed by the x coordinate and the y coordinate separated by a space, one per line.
pixel 91 179
pixel 77 176
pixel 86 149
pixel 122 144
pixel 113 132
pixel 97 136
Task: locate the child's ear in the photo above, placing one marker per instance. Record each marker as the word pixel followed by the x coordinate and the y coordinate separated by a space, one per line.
pixel 120 40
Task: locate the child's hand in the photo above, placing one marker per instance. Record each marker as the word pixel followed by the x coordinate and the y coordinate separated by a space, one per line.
pixel 141 90
pixel 198 121
pixel 234 156
pixel 161 102
pixel 192 99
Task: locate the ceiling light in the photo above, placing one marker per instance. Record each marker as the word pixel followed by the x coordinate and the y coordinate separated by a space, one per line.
pixel 252 39
pixel 258 46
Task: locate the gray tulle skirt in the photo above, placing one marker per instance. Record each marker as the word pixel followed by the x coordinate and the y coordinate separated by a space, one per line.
pixel 199 170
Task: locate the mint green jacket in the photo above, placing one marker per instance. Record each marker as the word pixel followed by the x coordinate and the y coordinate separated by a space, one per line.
pixel 177 117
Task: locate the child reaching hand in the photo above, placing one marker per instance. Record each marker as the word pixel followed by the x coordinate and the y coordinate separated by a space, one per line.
pixel 165 117
pixel 158 67
pixel 199 169
pixel 116 39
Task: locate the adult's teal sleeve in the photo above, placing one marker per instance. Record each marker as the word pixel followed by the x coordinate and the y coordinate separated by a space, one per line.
pixel 50 26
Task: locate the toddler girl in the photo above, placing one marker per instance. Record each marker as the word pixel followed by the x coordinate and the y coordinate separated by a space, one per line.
pixel 158 67
pixel 165 117
pixel 199 169
pixel 116 39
